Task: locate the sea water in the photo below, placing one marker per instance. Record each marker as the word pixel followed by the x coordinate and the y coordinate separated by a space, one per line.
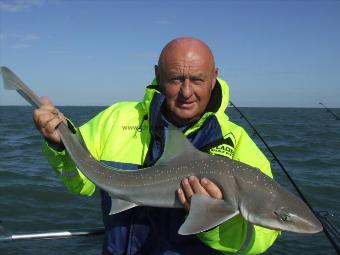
pixel 32 198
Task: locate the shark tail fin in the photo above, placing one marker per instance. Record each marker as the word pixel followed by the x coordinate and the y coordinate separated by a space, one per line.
pixel 12 82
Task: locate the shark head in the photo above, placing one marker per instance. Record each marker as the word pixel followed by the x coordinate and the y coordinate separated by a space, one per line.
pixel 299 221
pixel 287 212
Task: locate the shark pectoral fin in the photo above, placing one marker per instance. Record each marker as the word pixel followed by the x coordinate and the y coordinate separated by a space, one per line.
pixel 206 213
pixel 119 205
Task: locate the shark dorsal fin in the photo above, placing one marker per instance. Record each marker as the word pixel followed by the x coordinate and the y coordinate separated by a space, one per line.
pixel 178 149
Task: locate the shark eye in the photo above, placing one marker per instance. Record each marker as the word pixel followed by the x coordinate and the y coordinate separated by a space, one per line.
pixel 283 216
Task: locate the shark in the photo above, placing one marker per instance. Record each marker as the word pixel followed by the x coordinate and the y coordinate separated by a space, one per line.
pixel 246 190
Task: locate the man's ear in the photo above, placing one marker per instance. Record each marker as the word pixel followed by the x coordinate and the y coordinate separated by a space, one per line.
pixel 214 78
pixel 158 78
pixel 157 73
pixel 216 72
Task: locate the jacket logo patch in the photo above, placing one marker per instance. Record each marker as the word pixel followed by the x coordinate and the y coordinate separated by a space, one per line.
pixel 226 148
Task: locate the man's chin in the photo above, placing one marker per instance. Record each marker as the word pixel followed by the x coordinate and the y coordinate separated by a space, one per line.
pixel 185 117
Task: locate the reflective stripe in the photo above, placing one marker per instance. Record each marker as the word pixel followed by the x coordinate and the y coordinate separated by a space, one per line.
pixel 249 237
pixel 69 174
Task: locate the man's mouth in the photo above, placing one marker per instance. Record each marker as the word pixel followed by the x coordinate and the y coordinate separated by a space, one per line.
pixel 186 104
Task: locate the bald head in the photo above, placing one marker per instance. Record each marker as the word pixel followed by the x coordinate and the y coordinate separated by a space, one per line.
pixel 186 75
pixel 186 47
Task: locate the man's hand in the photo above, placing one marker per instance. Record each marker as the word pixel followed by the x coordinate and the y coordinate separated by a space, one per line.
pixel 193 185
pixel 46 119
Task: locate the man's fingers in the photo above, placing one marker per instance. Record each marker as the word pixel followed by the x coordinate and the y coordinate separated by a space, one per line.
pixel 52 124
pixel 186 187
pixel 193 185
pixel 185 193
pixel 42 118
pixel 46 122
pixel 62 117
pixel 46 101
pixel 43 111
pixel 183 199
pixel 47 118
pixel 53 137
pixel 212 189
pixel 196 186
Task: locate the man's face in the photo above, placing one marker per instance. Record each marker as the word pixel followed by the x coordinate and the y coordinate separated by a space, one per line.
pixel 187 80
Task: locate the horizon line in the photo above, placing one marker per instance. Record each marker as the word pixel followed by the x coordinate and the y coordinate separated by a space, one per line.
pixel 230 106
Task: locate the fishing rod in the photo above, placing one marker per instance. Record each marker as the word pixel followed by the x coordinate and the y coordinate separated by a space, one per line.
pixel 325 222
pixel 331 227
pixel 328 110
pixel 53 235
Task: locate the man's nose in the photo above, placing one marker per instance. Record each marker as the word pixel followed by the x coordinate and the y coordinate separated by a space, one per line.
pixel 186 88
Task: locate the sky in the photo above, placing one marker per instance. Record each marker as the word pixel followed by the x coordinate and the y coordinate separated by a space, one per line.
pixel 82 52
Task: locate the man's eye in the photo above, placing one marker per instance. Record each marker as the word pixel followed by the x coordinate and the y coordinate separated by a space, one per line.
pixel 198 80
pixel 176 79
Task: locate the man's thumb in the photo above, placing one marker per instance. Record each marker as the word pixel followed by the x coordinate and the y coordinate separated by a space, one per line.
pixel 46 101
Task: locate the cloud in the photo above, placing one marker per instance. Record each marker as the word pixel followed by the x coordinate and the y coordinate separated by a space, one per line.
pixel 19 5
pixel 18 41
pixel 3 37
pixel 69 54
pixel 21 46
pixel 29 37
pixel 18 37
pixel 22 37
pixel 163 21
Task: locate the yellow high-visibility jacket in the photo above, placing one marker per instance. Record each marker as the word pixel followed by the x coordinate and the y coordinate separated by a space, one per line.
pixel 129 135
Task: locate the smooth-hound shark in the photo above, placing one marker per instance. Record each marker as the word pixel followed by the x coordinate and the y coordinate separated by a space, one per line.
pixel 246 191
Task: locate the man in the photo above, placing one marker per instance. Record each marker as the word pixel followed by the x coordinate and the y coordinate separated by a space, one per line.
pixel 187 93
